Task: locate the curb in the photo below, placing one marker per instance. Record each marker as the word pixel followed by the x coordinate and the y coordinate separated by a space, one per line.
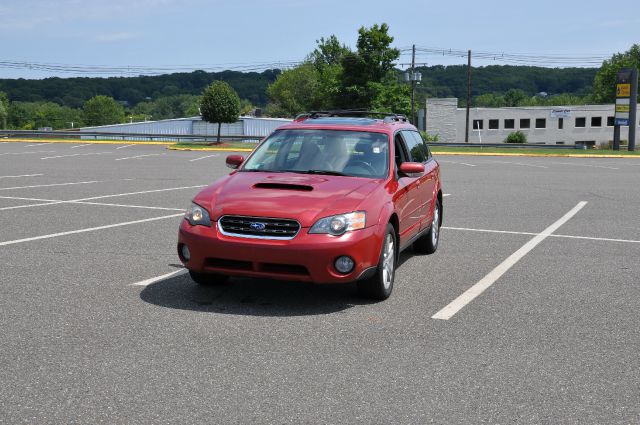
pixel 550 155
pixel 88 142
pixel 172 148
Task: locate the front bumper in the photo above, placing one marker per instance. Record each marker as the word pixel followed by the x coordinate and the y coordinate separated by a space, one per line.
pixel 307 257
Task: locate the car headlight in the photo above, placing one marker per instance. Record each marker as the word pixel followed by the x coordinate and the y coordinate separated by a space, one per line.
pixel 339 224
pixel 197 215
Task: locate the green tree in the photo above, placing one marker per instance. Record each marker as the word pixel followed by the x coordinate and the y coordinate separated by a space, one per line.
pixel 296 90
pixel 372 63
pixel 515 97
pixel 220 104
pixel 102 110
pixel 604 82
pixel 489 100
pixel 4 110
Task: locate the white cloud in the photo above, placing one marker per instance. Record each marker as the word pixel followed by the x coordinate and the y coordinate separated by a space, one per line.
pixel 116 36
pixel 16 15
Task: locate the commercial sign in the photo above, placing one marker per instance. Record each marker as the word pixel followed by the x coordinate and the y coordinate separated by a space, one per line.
pixel 561 113
pixel 623 93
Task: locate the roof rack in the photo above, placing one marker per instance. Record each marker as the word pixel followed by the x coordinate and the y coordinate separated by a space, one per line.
pixel 387 116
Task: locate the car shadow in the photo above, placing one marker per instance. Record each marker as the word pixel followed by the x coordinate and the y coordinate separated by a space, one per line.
pixel 253 297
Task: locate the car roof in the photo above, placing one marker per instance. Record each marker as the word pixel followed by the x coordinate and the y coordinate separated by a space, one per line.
pixel 386 125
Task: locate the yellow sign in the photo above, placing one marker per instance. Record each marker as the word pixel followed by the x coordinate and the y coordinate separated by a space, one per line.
pixel 622 108
pixel 623 90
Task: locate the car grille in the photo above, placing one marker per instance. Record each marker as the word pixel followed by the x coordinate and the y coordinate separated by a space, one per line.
pixel 258 227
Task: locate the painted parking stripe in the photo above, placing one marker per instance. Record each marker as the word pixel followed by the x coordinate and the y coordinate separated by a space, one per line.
pixel 203 157
pixel 456 162
pixel 446 194
pixel 125 146
pixel 47 202
pixel 22 175
pixel 586 165
pixel 588 238
pixel 124 205
pixel 79 146
pixel 49 185
pixel 470 294
pixel 76 154
pixel 88 229
pixel 35 144
pixel 148 282
pixel 26 153
pixel 139 156
pixel 520 163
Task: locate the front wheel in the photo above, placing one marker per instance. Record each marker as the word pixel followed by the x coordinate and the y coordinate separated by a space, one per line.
pixel 428 243
pixel 380 285
pixel 208 279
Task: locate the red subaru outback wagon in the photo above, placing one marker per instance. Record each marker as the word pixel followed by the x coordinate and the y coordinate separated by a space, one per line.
pixel 327 198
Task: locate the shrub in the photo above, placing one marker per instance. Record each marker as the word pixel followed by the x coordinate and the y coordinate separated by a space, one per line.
pixel 430 137
pixel 516 137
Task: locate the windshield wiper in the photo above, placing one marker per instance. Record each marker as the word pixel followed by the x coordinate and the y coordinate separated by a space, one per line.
pixel 327 172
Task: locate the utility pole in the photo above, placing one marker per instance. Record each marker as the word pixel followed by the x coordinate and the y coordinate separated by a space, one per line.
pixel 466 128
pixel 633 106
pixel 413 84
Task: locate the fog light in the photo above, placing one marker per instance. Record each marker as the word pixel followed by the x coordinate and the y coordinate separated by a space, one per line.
pixel 344 264
pixel 186 255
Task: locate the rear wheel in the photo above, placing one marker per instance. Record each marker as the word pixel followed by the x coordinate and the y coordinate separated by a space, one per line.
pixel 208 279
pixel 428 243
pixel 380 285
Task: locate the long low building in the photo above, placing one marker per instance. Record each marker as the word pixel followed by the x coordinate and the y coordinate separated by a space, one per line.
pixel 555 125
pixel 245 126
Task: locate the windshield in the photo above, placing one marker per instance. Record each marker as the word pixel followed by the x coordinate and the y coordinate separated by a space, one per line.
pixel 349 153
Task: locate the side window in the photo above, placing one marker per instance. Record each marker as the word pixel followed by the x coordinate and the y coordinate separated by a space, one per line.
pixel 415 146
pixel 399 152
pixel 426 146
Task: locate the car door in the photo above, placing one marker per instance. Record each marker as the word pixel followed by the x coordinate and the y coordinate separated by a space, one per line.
pixel 405 199
pixel 425 190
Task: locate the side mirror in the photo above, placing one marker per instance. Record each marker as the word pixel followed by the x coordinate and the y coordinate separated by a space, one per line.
pixel 234 161
pixel 412 169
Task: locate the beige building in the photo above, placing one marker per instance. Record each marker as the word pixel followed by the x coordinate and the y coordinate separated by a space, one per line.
pixel 568 125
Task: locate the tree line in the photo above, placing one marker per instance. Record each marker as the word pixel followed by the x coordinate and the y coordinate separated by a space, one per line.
pixel 332 76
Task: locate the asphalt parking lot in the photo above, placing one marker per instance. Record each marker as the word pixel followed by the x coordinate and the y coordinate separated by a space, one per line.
pixel 528 312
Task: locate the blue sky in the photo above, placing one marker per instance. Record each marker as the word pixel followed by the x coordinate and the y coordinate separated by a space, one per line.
pixel 247 34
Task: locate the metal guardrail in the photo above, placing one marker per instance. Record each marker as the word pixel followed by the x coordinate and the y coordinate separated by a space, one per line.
pixel 124 136
pixel 207 138
pixel 505 145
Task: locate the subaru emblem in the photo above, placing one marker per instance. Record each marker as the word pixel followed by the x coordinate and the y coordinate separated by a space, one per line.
pixel 257 226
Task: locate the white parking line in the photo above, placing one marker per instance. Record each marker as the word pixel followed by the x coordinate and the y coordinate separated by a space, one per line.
pixel 35 144
pixel 455 162
pixel 49 185
pixel 79 146
pixel 585 165
pixel 89 229
pixel 72 201
pixel 589 238
pixel 28 199
pixel 520 163
pixel 22 175
pixel 76 154
pixel 470 294
pixel 203 157
pixel 26 153
pixel 139 156
pixel 148 282
pixel 446 194
pixel 125 206
pixel 125 146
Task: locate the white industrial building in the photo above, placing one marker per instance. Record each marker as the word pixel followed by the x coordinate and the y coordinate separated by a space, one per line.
pixel 588 124
pixel 245 126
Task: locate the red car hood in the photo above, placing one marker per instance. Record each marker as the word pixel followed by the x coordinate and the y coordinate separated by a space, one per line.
pixel 305 198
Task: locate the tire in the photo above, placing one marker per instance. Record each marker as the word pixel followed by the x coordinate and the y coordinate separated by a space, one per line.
pixel 380 285
pixel 428 243
pixel 208 279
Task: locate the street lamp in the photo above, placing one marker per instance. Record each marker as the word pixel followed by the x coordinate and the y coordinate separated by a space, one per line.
pixel 414 77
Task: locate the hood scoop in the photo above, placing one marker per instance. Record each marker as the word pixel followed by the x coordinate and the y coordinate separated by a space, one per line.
pixel 284 186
